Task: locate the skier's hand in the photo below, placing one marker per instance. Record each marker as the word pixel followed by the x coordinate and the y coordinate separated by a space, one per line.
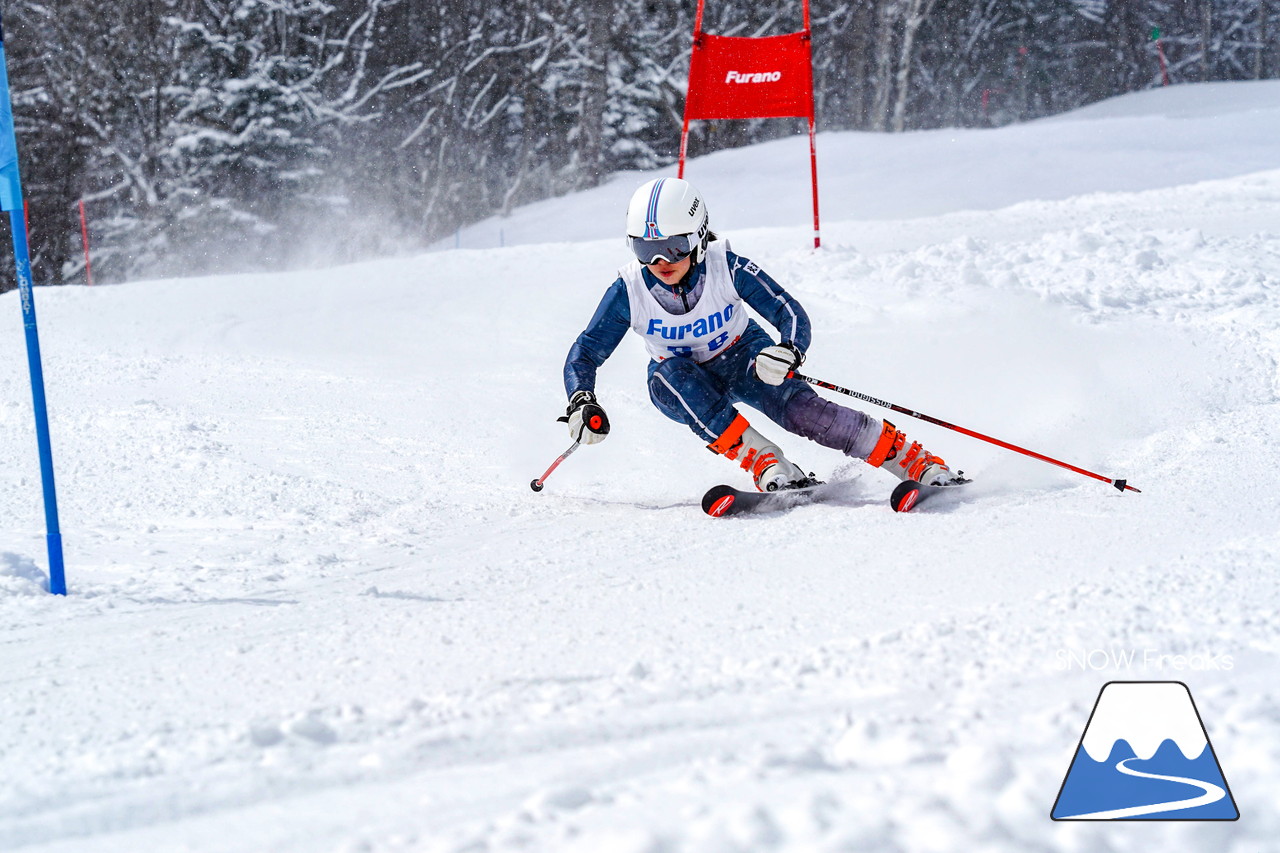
pixel 775 363
pixel 588 424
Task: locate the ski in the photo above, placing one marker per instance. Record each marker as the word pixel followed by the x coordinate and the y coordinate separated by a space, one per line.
pixel 909 494
pixel 720 501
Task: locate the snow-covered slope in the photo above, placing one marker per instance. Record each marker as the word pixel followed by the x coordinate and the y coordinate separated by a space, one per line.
pixel 1154 139
pixel 315 606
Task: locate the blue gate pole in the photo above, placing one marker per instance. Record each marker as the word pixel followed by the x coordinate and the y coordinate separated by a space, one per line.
pixel 57 576
pixel 11 200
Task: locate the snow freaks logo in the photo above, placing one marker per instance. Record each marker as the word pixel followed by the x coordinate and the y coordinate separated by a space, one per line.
pixel 1145 755
pixel 762 77
pixel 1093 660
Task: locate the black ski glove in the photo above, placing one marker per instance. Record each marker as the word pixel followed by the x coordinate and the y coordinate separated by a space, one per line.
pixel 588 424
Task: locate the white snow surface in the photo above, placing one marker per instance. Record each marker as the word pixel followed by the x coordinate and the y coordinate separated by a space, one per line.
pixel 314 605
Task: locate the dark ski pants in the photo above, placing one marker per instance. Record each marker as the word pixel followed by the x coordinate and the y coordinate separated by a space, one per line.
pixel 703 397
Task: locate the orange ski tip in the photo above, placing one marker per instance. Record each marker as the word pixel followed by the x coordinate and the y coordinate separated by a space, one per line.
pixel 721 506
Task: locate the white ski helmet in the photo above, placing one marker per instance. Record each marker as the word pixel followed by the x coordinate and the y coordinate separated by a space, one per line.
pixel 667 218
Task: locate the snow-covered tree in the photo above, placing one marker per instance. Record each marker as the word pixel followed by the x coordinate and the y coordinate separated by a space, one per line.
pixel 205 127
pixel 220 134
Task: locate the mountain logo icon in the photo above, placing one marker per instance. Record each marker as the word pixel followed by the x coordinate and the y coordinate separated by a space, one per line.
pixel 1145 755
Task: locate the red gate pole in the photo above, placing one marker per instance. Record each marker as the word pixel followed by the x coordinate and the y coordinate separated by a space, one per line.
pixel 813 150
pixel 84 237
pixel 684 146
pixel 697 21
pixel 813 169
pixel 1164 67
pixel 684 133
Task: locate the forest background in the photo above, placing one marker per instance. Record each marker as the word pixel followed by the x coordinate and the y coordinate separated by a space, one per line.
pixel 230 135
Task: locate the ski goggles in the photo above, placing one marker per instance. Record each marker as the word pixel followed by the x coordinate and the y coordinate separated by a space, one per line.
pixel 670 249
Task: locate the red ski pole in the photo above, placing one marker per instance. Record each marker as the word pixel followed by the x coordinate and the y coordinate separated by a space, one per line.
pixel 537 484
pixel 1122 485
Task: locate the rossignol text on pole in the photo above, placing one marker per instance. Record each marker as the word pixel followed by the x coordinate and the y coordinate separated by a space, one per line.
pixel 1122 485
pixel 537 484
pixel 11 201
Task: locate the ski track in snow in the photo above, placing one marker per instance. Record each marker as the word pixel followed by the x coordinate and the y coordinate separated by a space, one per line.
pixel 316 607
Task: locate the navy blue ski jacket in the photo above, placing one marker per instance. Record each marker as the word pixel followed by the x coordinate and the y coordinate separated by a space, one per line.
pixel 612 319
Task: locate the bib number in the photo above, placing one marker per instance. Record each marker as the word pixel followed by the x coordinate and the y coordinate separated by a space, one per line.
pixel 712 345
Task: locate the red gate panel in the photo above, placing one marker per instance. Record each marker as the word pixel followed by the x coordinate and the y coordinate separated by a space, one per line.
pixel 736 78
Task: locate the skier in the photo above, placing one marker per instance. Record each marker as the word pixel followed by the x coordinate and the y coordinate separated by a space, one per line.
pixel 684 294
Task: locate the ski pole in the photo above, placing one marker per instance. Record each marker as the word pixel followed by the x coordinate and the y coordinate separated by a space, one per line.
pixel 1122 485
pixel 537 484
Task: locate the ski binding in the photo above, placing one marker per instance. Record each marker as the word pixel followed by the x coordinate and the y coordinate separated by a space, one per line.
pixel 909 494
